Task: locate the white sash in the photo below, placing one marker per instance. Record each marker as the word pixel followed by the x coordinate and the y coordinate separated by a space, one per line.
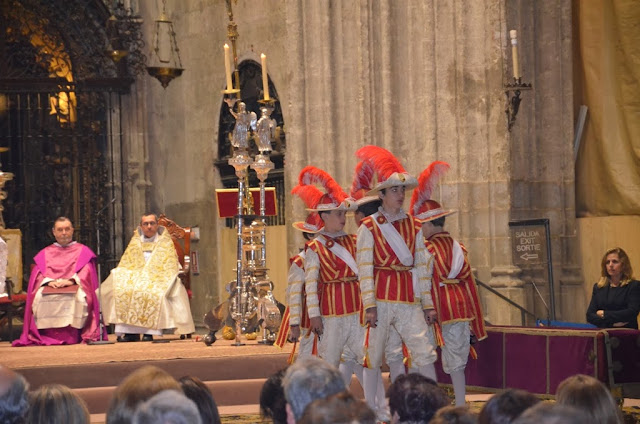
pixel 395 240
pixel 400 248
pixel 340 252
pixel 457 260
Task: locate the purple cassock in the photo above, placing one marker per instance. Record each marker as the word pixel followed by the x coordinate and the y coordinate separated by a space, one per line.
pixel 54 262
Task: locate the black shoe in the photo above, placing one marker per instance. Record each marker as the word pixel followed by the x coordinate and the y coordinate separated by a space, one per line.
pixel 147 338
pixel 129 338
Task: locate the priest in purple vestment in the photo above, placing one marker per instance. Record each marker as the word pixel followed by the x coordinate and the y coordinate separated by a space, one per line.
pixel 62 306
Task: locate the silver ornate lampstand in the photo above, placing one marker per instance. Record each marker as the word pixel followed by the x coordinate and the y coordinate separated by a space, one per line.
pixel 240 162
pixel 265 134
pixel 252 297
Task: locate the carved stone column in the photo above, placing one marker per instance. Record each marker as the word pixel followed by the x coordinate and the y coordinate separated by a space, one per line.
pixel 135 155
pixel 542 166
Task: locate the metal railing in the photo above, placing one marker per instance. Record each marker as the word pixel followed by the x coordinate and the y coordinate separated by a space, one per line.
pixel 523 311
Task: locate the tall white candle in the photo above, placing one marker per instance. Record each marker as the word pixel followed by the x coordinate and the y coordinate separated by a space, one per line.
pixel 513 34
pixel 227 66
pixel 265 79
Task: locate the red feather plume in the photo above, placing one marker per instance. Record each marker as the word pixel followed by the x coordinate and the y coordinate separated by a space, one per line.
pixel 309 194
pixel 313 175
pixel 426 183
pixel 381 160
pixel 362 178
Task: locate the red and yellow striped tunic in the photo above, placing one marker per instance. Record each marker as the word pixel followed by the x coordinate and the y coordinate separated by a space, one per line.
pixel 332 286
pixel 393 281
pixel 455 299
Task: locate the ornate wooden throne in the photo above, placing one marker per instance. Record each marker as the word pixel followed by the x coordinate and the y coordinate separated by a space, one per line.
pixel 182 241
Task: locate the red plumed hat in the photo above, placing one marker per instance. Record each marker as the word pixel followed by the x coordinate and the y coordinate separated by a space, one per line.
pixel 310 195
pixel 334 196
pixel 422 206
pixel 387 167
pixel 312 224
pixel 362 180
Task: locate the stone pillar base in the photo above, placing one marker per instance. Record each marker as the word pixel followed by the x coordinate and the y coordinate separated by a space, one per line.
pixel 506 280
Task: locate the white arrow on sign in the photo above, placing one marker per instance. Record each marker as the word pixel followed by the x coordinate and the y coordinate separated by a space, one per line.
pixel 528 256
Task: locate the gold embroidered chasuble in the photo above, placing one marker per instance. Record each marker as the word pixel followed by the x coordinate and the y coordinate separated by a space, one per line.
pixel 141 287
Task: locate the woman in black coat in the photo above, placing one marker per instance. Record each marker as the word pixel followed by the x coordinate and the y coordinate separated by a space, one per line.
pixel 615 301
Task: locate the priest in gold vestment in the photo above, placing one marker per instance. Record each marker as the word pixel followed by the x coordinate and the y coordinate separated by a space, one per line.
pixel 143 294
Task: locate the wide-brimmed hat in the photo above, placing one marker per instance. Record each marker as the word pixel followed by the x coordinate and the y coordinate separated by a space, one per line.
pixel 422 206
pixel 333 197
pixel 431 210
pixel 313 224
pixel 387 168
pixel 360 198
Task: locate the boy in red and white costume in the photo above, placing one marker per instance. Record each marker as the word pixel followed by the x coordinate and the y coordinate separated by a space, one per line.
pixel 395 271
pixel 331 279
pixel 454 291
pixel 368 205
pixel 296 296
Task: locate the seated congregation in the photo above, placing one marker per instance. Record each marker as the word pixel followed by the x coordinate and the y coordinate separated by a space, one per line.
pixel 311 391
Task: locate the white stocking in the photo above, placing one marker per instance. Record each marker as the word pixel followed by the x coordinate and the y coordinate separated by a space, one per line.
pixel 429 371
pixel 381 398
pixel 459 386
pixel 346 369
pixel 370 386
pixel 396 369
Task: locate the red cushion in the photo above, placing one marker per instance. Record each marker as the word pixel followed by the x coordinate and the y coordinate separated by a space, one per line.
pixel 14 298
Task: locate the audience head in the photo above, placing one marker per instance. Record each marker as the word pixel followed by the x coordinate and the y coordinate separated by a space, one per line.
pixel 624 269
pixel 341 408
pixel 200 394
pixel 14 400
pixel 550 413
pixel 590 395
pixel 454 415
pixel 63 230
pixel 136 388
pixel 306 380
pixel 57 404
pixel 168 407
pixel 415 398
pixel 272 400
pixel 149 224
pixel 505 407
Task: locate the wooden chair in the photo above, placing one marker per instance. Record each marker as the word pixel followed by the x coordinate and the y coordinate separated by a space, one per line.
pixel 182 241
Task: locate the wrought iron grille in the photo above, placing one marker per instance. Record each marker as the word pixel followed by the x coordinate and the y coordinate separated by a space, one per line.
pixel 60 170
pixel 60 110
